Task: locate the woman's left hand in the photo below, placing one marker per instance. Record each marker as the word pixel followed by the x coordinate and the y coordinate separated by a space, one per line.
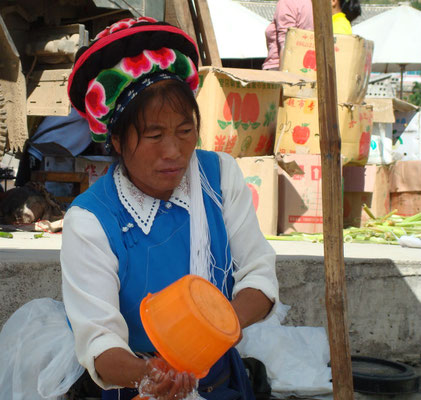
pixel 164 383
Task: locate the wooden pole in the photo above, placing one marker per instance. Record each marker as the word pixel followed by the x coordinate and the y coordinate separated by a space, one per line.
pixel 203 23
pixel 330 146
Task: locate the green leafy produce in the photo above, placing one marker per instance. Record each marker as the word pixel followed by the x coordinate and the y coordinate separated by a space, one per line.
pixel 383 230
pixel 6 235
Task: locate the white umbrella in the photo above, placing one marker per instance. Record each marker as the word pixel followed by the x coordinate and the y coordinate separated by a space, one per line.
pixel 395 34
pixel 239 32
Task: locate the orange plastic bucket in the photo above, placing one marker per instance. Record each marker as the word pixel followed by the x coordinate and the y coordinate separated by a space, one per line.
pixel 191 324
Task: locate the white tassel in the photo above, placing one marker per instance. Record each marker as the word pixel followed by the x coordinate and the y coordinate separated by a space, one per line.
pixel 199 231
pixel 202 262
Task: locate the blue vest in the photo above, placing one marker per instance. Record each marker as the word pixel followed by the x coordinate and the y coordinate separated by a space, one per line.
pixel 148 263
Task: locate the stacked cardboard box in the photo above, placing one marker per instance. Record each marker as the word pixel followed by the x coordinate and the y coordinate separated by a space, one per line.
pixel 365 185
pixel 298 135
pixel 239 109
pixel 405 187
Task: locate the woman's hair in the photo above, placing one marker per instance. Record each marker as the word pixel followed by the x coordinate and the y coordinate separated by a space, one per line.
pixel 173 92
pixel 351 9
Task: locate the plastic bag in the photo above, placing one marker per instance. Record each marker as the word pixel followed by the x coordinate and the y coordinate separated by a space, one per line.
pixel 37 353
pixel 409 241
pixel 160 366
pixel 296 358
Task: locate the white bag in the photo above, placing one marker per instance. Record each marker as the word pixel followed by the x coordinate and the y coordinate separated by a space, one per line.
pixel 296 358
pixel 37 353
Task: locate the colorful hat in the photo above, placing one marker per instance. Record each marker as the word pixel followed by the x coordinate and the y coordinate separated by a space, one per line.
pixel 124 59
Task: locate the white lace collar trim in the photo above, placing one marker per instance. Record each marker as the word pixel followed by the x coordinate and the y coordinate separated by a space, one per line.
pixel 143 208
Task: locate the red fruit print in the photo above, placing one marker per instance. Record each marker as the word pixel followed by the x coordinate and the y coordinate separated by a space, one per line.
pixel 253 182
pixel 250 108
pixel 231 143
pixel 232 107
pixel 254 195
pixel 365 142
pixel 300 134
pixel 220 142
pixel 309 60
pixel 261 144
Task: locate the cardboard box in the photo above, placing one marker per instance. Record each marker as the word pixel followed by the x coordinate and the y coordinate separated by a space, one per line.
pixel 353 56
pixel 384 109
pixel 298 129
pixel 405 187
pixel 381 144
pixel 407 136
pixel 239 108
pixel 95 166
pixel 261 176
pixel 300 196
pixel 365 185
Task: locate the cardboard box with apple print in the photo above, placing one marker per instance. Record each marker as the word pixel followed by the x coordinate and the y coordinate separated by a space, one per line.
pixel 300 195
pixel 298 129
pixel 239 108
pixel 261 176
pixel 353 56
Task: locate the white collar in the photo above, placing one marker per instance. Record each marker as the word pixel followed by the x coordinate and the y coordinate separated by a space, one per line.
pixel 140 206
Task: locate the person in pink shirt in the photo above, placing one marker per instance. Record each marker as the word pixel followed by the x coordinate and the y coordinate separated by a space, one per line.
pixel 288 14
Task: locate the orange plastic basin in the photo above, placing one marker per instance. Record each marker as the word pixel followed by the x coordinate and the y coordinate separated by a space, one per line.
pixel 190 323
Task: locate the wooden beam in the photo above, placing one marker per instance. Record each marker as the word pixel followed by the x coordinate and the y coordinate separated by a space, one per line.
pixel 330 146
pixel 205 33
pixel 177 12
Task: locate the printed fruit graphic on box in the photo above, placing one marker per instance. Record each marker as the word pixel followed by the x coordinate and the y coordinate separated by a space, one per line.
pixel 254 182
pixel 365 142
pixel 240 111
pixel 300 134
pixel 309 61
pixel 298 129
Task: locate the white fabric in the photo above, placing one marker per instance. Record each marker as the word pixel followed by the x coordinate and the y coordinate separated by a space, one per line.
pixel 90 274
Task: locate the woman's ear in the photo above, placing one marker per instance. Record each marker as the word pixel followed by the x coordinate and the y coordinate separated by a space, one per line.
pixel 115 140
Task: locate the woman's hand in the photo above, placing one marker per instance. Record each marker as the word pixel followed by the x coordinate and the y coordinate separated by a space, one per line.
pixel 164 383
pixel 153 376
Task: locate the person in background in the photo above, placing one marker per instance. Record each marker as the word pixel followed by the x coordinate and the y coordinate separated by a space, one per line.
pixel 288 14
pixel 343 13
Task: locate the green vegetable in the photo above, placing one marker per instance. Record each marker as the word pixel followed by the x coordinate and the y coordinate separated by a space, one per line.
pixel 384 230
pixel 6 235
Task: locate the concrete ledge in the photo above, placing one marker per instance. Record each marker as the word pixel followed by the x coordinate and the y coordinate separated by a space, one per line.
pixel 383 285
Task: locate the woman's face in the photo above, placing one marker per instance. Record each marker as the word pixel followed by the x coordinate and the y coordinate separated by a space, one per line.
pixel 157 161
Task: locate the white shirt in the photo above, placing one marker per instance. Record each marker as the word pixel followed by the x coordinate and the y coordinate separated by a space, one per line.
pixel 90 268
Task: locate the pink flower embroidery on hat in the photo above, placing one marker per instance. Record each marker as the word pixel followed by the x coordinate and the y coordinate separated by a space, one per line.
pixel 95 106
pixel 136 66
pixel 193 78
pixel 96 126
pixel 123 24
pixel 163 57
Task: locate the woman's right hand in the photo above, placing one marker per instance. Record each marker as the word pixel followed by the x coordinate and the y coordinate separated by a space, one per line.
pixel 164 383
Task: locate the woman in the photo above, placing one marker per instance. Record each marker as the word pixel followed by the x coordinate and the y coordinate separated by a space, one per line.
pixel 288 14
pixel 343 13
pixel 163 210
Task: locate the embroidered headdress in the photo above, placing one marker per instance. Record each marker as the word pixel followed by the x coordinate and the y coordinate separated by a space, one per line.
pixel 124 59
